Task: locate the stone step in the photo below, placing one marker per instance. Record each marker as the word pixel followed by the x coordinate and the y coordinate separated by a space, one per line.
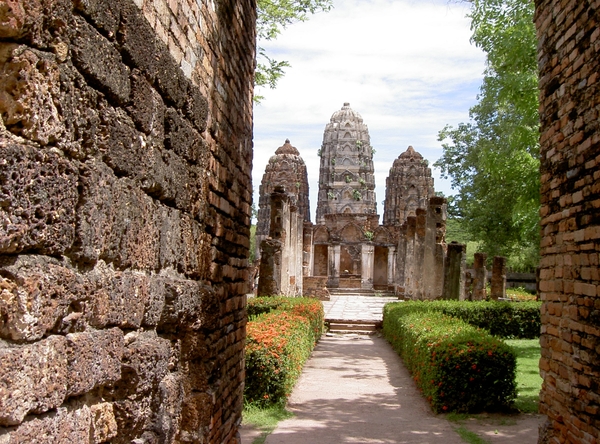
pixel 359 292
pixel 353 327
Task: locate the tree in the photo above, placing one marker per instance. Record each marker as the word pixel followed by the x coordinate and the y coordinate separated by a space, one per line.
pixel 493 161
pixel 273 16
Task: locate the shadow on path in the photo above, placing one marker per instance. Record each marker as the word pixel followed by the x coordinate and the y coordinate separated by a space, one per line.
pixel 355 389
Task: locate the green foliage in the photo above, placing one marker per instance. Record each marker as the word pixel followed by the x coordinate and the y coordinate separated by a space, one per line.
pixel 273 16
pixel 264 418
pixel 281 334
pixel 470 437
pixel 529 381
pixel 503 319
pixel 356 195
pixel 493 161
pixel 458 367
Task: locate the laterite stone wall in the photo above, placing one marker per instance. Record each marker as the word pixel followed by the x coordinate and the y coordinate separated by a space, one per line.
pixel 125 195
pixel 569 60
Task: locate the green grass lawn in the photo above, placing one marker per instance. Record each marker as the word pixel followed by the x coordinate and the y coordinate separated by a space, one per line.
pixel 264 419
pixel 529 381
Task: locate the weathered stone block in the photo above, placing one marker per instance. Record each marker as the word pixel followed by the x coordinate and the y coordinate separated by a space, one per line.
pixel 98 60
pixel 104 425
pixel 16 16
pixel 36 292
pixel 147 108
pixel 197 108
pixel 138 41
pixel 34 379
pixel 133 418
pixel 182 245
pixel 38 195
pixel 155 302
pixel 184 303
pixel 182 138
pixel 120 297
pixel 117 221
pixel 170 80
pixel 81 106
pixel 94 359
pixel 29 93
pixel 145 362
pixel 168 416
pixel 161 174
pixel 104 14
pixel 65 425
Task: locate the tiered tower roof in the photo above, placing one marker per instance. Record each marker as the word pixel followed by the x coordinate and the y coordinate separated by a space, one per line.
pixel 346 179
pixel 287 169
pixel 408 187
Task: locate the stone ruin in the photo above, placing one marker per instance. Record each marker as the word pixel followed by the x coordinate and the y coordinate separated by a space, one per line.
pixel 347 248
pixel 126 143
pixel 125 196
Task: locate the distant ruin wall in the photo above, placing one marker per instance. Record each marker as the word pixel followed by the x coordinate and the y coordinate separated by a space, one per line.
pixel 569 56
pixel 125 194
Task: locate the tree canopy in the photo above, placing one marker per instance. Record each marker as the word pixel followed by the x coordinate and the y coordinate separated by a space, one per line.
pixel 273 16
pixel 493 160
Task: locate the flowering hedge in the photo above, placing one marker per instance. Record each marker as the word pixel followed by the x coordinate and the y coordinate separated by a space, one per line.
pixel 281 334
pixel 458 367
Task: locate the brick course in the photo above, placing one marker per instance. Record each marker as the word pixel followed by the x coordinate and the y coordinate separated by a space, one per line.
pixel 569 103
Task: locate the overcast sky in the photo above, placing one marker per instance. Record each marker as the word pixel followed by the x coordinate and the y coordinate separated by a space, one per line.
pixel 406 66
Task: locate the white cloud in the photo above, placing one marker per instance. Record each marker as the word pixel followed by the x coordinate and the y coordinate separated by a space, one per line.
pixel 406 66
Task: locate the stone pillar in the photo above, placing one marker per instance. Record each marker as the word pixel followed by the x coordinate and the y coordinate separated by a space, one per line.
pixel 269 278
pixel 409 258
pixel 468 285
pixel 479 277
pixel 454 271
pixel 400 275
pixel 368 262
pixel 333 271
pixel 391 265
pixel 307 250
pixel 498 278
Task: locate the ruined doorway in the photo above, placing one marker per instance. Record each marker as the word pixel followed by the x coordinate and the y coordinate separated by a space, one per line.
pixel 350 261
pixel 380 268
pixel 320 260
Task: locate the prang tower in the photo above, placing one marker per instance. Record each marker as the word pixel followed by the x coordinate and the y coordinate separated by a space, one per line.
pixel 346 179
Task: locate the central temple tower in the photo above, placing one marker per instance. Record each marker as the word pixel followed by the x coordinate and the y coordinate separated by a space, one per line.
pixel 346 179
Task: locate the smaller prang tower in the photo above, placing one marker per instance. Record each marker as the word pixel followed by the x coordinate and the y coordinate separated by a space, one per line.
pixel 286 171
pixel 408 187
pixel 346 179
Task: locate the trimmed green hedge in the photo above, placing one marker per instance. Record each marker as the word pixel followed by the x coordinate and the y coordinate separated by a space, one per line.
pixel 458 367
pixel 281 334
pixel 511 320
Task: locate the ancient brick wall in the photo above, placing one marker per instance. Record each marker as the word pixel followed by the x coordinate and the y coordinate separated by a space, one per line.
pixel 569 57
pixel 125 194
